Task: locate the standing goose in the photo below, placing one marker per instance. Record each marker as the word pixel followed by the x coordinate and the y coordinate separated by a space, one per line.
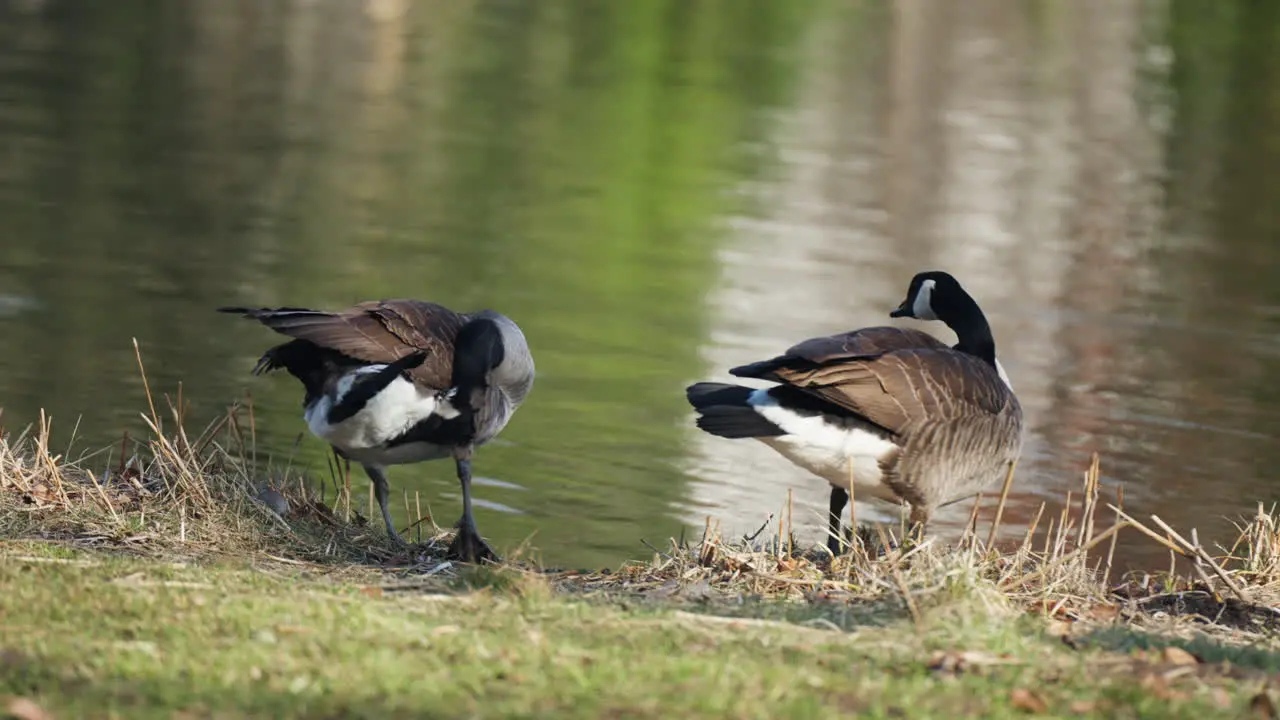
pixel 907 418
pixel 390 382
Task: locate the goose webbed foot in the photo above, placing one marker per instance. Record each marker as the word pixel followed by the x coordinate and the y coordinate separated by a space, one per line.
pixel 469 547
pixel 861 536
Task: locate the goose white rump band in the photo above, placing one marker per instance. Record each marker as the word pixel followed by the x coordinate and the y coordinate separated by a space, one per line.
pixel 826 449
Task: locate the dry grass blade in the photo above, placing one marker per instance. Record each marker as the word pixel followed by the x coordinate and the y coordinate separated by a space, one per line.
pixel 1111 550
pixel 146 386
pixel 1004 497
pixel 1088 499
pixel 1064 559
pixel 1147 531
pixel 970 536
pixel 1196 552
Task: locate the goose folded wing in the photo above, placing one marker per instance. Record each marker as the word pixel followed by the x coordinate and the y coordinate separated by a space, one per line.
pixel 899 388
pixel 817 352
pixel 867 341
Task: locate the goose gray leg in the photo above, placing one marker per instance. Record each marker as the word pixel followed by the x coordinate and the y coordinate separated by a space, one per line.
pixel 839 497
pixel 382 491
pixel 467 544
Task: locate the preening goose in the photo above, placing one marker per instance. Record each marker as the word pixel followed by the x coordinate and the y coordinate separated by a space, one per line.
pixel 905 417
pixel 391 382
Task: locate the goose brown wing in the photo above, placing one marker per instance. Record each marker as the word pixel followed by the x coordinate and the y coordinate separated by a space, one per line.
pixel 902 387
pixel 867 341
pixel 380 331
pixel 815 352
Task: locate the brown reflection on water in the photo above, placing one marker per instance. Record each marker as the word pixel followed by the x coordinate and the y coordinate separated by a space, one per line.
pixel 1026 151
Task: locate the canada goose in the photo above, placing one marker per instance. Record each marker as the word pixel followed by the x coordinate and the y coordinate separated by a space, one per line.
pixel 907 418
pixel 390 382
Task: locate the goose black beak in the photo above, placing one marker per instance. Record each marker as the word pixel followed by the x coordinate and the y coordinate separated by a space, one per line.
pixel 903 310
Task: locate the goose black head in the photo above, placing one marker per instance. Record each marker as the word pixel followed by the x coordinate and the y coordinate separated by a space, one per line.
pixel 930 295
pixel 935 295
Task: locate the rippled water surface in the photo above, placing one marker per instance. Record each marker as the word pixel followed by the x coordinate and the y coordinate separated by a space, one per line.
pixel 657 191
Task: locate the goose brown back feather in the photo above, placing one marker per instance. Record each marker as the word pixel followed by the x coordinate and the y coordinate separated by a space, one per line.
pixel 866 341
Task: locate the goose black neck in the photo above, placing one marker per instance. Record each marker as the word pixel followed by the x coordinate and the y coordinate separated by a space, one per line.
pixel 967 321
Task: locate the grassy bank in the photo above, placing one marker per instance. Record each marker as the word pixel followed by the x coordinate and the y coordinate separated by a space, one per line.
pixel 93 634
pixel 151 582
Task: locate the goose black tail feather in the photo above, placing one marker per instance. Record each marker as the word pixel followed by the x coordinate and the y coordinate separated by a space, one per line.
pixel 262 312
pixel 724 410
pixel 313 366
pixel 764 369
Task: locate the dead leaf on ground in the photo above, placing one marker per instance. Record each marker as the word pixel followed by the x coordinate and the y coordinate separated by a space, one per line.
pixel 1104 612
pixel 132 578
pixel 1059 628
pixel 20 708
pixel 958 661
pixel 1178 656
pixel 1082 707
pixel 1051 610
pixel 1157 685
pixel 1028 701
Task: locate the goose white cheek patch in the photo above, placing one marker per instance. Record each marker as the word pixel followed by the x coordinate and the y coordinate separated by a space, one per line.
pixel 922 308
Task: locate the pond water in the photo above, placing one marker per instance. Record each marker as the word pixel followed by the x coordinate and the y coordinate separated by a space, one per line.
pixel 657 191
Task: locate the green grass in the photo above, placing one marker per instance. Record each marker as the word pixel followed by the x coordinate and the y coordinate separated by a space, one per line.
pixel 88 634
